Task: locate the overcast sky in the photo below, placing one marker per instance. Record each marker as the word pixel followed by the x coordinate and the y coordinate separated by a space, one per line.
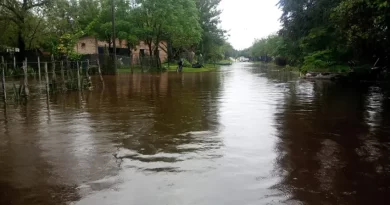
pixel 247 20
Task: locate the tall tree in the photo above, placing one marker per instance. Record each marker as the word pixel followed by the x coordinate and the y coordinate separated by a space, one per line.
pixel 173 20
pixel 19 13
pixel 336 30
pixel 212 35
pixel 365 25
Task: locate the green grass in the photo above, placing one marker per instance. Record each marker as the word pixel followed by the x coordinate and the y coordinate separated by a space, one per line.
pixel 331 69
pixel 172 68
pixel 206 68
pixel 128 70
pixel 224 62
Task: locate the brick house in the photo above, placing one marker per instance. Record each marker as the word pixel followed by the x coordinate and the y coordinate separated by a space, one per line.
pixel 90 45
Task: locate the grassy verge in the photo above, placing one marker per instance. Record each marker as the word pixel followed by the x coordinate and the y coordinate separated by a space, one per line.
pixel 172 68
pixel 224 62
pixel 128 70
pixel 330 69
pixel 206 68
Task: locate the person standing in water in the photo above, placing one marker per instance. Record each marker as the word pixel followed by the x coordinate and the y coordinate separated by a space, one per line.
pixel 180 65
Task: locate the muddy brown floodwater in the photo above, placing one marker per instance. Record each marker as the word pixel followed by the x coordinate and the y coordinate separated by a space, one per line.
pixel 243 135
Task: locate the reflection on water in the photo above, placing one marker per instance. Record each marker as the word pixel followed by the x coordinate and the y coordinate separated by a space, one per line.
pixel 244 135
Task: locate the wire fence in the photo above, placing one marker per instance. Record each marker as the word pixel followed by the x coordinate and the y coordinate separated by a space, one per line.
pixel 54 76
pixel 61 74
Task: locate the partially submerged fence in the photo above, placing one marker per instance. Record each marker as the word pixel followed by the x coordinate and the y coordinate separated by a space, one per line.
pixel 135 63
pixel 53 76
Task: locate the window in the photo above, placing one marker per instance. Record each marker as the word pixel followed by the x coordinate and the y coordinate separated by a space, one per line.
pixel 82 45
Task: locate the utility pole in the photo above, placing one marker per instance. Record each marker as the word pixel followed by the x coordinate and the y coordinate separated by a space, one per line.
pixel 113 32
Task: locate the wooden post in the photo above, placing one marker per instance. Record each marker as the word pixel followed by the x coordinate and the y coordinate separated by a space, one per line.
pixel 3 79
pixel 53 67
pixel 100 72
pixel 47 79
pixel 5 67
pixel 14 63
pixel 68 70
pixel 39 70
pixel 87 70
pixel 47 89
pixel 63 76
pixel 25 81
pixel 87 74
pixel 141 63
pixel 78 76
pixel 131 64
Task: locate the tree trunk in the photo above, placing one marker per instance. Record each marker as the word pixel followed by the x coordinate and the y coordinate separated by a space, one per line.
pixel 157 56
pixel 22 46
pixel 109 47
pixel 150 48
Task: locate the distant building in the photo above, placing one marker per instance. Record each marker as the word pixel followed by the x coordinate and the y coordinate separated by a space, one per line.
pixel 90 45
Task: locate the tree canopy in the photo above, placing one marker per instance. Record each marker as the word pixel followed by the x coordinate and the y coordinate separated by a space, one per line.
pixel 323 33
pixel 56 25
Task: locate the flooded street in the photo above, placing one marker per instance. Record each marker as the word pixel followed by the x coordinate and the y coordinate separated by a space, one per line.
pixel 243 135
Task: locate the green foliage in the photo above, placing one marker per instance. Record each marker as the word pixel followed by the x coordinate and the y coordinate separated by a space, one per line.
pixel 205 68
pixel 270 46
pixel 66 44
pixel 177 20
pixel 186 63
pixel 326 34
pixel 23 22
pixel 225 62
pixel 247 53
pixel 229 51
pixel 212 35
pixel 317 61
pixel 188 25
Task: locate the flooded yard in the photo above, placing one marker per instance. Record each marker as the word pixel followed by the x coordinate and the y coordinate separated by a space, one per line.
pixel 245 134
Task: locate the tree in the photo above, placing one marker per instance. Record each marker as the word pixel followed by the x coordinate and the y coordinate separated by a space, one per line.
pixel 212 35
pixel 335 31
pixel 365 25
pixel 173 20
pixel 21 13
pixel 228 51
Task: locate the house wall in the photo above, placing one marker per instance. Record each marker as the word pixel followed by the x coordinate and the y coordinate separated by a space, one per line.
pixel 86 45
pixel 119 44
pixel 89 45
pixel 142 45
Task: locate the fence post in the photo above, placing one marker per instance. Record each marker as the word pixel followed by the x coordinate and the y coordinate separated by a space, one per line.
pixel 87 70
pixel 68 70
pixel 47 79
pixel 14 63
pixel 78 76
pixel 5 67
pixel 63 76
pixel 140 60
pixel 100 72
pixel 131 64
pixel 39 70
pixel 3 79
pixel 53 69
pixel 25 81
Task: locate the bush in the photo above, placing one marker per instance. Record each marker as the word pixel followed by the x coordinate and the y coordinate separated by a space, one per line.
pixel 320 60
pixel 186 63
